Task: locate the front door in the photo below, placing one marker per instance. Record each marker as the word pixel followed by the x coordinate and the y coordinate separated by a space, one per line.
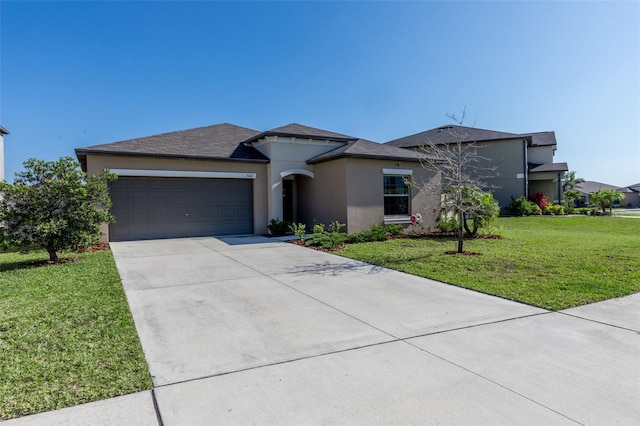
pixel 287 200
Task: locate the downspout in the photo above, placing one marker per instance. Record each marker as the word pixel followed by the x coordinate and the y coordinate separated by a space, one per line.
pixel 526 168
pixel 560 192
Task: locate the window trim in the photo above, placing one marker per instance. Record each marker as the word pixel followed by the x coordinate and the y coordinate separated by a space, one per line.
pixel 396 218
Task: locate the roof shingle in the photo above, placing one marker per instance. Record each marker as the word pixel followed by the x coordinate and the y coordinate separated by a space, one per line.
pixel 362 148
pixel 220 142
pixel 299 131
pixel 452 134
pixel 548 167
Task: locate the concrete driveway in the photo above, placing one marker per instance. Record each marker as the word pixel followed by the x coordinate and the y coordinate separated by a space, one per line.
pixel 252 331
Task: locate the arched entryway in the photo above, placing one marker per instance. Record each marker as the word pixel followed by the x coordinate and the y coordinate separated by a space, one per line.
pixel 292 184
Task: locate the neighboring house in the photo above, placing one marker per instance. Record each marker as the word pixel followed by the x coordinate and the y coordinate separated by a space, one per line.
pixel 3 132
pixel 225 180
pixel 631 196
pixel 519 164
pixel 631 193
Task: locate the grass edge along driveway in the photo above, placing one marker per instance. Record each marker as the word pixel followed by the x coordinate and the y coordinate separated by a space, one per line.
pixel 550 262
pixel 66 334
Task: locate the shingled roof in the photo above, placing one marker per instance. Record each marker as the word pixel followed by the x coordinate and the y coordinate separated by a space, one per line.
pixel 548 167
pixel 452 134
pixel 362 148
pixel 590 186
pixel 449 134
pixel 218 142
pixel 295 130
pixel 541 138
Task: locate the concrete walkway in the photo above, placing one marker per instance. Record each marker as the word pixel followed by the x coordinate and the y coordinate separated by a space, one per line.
pixel 251 331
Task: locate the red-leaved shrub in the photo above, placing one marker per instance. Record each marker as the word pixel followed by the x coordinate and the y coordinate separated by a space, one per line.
pixel 540 199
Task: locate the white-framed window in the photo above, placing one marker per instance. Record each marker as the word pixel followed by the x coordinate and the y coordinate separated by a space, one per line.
pixel 396 195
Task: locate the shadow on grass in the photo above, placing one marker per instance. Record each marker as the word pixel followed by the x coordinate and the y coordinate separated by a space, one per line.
pixel 34 263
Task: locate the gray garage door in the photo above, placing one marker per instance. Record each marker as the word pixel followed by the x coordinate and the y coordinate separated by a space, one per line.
pixel 149 208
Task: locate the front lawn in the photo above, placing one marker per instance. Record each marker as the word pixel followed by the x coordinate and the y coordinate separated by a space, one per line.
pixel 66 334
pixel 550 262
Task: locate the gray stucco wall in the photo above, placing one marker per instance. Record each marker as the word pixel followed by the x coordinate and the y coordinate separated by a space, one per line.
pixel 508 166
pixel 351 190
pixel 365 192
pixel 323 198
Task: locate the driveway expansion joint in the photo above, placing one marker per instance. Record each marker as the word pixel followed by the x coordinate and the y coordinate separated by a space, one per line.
pixel 271 364
pixel 494 382
pixel 599 322
pixel 155 407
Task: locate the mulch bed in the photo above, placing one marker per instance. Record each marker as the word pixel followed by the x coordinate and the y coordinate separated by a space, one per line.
pixel 62 260
pixel 413 236
pixel 464 253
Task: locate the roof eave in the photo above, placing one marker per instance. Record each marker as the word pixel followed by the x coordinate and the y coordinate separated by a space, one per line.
pixel 297 135
pixel 362 156
pixel 84 152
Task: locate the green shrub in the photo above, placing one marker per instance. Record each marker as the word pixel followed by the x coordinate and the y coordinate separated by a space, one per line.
pixel 278 227
pixel 523 207
pixel 298 229
pixel 336 226
pixel 447 224
pixel 326 240
pixel 375 233
pixel 555 209
pixel 394 228
pixel 582 210
pixel 318 228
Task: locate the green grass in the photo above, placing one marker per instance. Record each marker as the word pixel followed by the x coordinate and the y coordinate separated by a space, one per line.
pixel 66 334
pixel 550 262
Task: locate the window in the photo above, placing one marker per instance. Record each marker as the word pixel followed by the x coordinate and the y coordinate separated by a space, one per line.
pixel 396 195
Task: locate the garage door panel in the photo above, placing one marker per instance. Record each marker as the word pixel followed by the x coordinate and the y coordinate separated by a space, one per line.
pixel 148 208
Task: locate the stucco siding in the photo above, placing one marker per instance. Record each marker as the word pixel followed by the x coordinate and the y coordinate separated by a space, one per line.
pixel 324 198
pixel 545 186
pixel 504 189
pixel 541 154
pixel 99 163
pixel 507 169
pixel 365 192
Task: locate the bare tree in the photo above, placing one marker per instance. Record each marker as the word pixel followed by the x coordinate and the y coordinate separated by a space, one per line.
pixel 462 171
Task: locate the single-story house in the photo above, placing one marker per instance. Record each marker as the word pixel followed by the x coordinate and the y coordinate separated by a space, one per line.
pixel 586 188
pixel 631 196
pixel 226 179
pixel 517 164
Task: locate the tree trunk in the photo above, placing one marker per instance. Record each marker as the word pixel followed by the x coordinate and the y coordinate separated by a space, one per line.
pixel 53 256
pixel 460 231
pixel 470 232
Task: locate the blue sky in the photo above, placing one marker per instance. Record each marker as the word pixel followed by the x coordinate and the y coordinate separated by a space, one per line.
pixel 74 74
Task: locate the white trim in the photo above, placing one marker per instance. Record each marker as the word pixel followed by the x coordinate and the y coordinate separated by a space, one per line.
pixel 297 141
pixel 296 172
pixel 392 219
pixel 182 174
pixel 398 172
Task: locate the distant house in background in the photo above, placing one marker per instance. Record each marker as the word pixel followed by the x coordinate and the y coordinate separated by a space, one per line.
pixel 588 187
pixel 631 196
pixel 3 132
pixel 522 163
